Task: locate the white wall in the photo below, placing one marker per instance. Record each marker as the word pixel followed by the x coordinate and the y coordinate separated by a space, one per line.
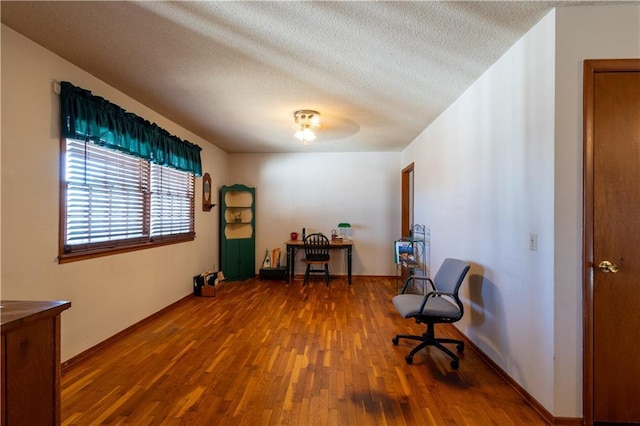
pixel 107 294
pixel 503 161
pixel 581 33
pixel 317 191
pixel 483 183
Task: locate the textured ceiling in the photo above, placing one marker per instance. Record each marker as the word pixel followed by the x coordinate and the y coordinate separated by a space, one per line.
pixel 234 72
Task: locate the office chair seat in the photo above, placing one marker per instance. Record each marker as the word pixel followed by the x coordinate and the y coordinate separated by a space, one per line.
pixel 408 305
pixel 438 303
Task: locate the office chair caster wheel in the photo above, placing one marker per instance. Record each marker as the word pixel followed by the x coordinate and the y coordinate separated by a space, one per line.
pixel 460 347
pixel 455 364
pixel 395 341
pixel 409 359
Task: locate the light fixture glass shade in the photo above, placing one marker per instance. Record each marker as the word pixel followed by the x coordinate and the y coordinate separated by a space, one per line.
pixel 305 122
pixel 305 135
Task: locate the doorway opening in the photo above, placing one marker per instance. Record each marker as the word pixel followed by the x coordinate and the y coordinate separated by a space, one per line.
pixel 407 200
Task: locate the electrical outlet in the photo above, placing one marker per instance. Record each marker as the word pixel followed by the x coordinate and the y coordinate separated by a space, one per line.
pixel 533 241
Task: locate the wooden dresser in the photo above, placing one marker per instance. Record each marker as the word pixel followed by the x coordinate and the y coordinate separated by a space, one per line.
pixel 31 362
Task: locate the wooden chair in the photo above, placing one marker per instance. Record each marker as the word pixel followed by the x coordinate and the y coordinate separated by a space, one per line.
pixel 316 250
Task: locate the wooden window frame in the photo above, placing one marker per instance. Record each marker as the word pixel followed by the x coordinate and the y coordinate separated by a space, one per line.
pixel 116 246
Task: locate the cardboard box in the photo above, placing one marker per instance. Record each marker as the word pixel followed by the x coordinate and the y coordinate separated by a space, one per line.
pixel 204 284
pixel 208 290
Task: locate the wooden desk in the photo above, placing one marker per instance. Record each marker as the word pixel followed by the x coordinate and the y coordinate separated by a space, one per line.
pixel 31 362
pixel 293 246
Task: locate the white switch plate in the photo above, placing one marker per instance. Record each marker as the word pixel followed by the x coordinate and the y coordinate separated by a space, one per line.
pixel 533 241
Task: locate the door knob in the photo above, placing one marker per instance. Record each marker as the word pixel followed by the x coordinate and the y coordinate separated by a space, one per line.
pixel 606 266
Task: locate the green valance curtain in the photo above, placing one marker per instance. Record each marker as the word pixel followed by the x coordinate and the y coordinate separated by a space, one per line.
pixel 88 117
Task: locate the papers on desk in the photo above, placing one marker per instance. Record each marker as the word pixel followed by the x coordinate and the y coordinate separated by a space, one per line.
pixel 339 239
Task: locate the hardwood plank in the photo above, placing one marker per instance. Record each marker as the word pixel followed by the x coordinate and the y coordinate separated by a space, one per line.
pixel 269 353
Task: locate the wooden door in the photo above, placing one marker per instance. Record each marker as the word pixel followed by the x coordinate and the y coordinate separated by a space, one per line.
pixel 612 234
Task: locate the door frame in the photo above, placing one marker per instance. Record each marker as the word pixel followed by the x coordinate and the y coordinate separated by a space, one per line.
pixel 407 200
pixel 590 69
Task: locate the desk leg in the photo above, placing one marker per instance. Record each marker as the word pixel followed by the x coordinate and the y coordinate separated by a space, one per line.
pixel 291 254
pixel 349 264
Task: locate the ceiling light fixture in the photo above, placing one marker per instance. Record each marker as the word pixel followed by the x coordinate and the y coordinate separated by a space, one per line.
pixel 305 123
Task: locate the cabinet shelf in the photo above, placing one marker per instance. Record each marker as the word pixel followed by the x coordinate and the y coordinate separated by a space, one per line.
pixel 411 265
pixel 419 240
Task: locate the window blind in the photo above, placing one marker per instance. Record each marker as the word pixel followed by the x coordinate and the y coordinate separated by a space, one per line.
pixel 172 202
pixel 114 199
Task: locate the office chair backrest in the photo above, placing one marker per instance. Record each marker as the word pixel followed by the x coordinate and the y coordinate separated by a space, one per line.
pixel 450 275
pixel 316 247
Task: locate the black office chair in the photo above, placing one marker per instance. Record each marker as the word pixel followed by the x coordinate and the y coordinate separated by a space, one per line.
pixel 316 253
pixel 437 303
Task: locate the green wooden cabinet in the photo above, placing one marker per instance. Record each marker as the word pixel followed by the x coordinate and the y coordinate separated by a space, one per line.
pixel 238 232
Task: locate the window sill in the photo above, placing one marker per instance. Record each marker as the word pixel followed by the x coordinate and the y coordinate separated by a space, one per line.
pixel 101 252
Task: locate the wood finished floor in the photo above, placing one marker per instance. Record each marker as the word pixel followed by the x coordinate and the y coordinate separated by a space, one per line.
pixel 268 353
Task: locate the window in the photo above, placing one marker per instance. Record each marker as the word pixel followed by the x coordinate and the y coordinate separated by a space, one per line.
pixel 113 202
pixel 125 182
